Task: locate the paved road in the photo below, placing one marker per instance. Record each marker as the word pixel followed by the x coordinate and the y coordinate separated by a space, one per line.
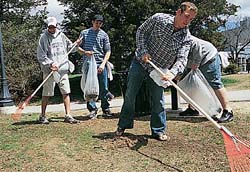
pixel 234 96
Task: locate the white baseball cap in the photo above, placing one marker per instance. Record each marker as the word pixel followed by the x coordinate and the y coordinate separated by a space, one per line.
pixel 51 21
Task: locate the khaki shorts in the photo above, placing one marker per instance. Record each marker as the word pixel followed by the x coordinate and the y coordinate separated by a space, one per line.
pixel 49 86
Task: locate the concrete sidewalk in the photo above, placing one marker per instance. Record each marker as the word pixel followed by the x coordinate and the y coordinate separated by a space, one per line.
pixel 234 96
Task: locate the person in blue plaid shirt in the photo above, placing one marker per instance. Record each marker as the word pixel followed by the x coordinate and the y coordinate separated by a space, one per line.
pixel 165 40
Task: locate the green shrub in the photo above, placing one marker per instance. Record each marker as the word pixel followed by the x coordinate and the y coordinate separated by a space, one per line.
pixel 231 69
pixel 22 68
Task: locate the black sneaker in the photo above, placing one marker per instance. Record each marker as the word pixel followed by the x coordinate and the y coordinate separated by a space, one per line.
pixel 226 116
pixel 107 113
pixel 189 112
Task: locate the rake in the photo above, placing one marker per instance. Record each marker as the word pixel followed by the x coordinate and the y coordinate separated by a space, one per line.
pixel 237 149
pixel 17 114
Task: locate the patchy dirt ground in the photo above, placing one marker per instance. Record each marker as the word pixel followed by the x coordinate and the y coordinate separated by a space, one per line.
pixel 195 145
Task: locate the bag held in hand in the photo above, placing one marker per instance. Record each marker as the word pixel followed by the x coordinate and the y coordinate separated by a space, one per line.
pixel 195 85
pixel 89 80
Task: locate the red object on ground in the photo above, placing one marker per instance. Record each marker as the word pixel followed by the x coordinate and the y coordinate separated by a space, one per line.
pixel 238 153
pixel 17 115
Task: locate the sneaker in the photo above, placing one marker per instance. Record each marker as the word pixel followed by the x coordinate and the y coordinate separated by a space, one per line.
pixel 43 120
pixel 107 113
pixel 226 116
pixel 161 137
pixel 189 112
pixel 119 132
pixel 93 114
pixel 110 96
pixel 70 119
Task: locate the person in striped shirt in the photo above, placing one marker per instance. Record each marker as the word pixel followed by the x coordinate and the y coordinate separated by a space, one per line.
pixel 165 40
pixel 95 43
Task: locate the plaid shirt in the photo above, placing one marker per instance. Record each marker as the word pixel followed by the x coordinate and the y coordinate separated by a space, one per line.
pixel 168 49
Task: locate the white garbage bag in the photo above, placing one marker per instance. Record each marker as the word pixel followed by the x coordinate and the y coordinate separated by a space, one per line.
pixel 195 85
pixel 89 80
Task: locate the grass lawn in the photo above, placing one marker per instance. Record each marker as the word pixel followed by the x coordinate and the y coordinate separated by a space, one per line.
pixel 195 145
pixel 237 81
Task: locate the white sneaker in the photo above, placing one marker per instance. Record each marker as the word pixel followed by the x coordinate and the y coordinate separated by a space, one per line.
pixel 70 119
pixel 43 120
pixel 93 114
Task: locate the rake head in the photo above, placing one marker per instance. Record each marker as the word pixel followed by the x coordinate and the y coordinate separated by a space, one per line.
pixel 238 152
pixel 17 115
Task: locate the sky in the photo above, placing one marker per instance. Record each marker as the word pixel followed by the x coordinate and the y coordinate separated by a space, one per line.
pixel 244 11
pixel 54 9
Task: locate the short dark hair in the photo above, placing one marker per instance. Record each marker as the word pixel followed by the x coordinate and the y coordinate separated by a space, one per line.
pixel 98 17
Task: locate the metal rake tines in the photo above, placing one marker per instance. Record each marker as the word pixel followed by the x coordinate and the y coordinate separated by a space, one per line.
pixel 237 141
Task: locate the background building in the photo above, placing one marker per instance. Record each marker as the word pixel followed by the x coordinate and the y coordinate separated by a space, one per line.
pixel 238 43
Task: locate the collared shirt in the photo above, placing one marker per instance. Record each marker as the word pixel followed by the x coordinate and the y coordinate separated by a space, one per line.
pixel 96 41
pixel 168 49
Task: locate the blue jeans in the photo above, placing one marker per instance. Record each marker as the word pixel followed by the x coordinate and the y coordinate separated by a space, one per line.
pixel 103 91
pixel 212 72
pixel 136 77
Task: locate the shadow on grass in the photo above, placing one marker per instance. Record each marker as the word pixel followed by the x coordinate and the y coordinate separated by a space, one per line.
pixel 26 123
pixel 111 135
pixel 51 120
pixel 113 116
pixel 61 119
pixel 36 122
pixel 134 143
pixel 190 119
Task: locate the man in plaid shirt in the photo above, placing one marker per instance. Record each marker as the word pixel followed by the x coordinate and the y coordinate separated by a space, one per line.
pixel 165 40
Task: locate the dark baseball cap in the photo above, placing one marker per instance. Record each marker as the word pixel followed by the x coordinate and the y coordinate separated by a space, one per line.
pixel 98 17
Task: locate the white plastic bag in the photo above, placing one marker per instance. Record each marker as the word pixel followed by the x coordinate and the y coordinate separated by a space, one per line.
pixel 57 76
pixel 110 67
pixel 89 80
pixel 157 78
pixel 195 85
pixel 64 68
pixel 84 74
pixel 224 59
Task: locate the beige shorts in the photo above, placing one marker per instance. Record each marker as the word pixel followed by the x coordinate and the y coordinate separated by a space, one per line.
pixel 49 86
